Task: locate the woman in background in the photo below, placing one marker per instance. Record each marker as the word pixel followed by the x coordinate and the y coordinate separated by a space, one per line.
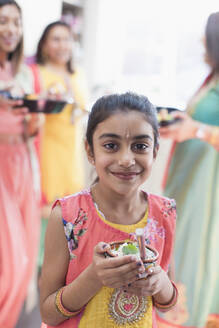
pixel 61 173
pixel 193 180
pixel 61 154
pixel 19 212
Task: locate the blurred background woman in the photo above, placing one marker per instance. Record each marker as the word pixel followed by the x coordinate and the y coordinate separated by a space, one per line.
pixel 61 149
pixel 18 202
pixel 193 180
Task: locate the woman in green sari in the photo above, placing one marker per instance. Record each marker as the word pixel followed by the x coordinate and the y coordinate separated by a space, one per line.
pixel 193 180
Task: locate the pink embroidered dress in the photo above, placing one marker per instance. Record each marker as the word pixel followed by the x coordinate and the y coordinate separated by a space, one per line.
pixel 18 214
pixel 84 228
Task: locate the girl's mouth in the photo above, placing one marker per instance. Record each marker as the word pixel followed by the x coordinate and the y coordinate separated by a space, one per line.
pixel 125 175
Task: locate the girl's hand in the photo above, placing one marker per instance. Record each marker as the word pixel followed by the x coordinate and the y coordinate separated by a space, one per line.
pixel 115 272
pixel 182 130
pixel 11 106
pixel 149 286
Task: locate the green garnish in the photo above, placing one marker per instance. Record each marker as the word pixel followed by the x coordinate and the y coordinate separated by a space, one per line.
pixel 129 249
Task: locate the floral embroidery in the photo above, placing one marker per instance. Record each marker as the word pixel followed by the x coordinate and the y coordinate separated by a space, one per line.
pixel 151 231
pixel 75 230
pixel 169 206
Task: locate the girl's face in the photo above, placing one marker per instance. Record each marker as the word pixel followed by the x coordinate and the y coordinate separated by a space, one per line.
pixel 123 151
pixel 58 45
pixel 10 28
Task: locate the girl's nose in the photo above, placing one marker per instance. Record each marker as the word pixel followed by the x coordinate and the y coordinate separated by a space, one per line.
pixel 126 159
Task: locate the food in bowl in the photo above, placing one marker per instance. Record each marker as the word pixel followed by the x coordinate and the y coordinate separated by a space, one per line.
pixel 122 248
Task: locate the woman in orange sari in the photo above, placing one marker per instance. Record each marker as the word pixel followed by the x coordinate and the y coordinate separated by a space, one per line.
pixel 18 206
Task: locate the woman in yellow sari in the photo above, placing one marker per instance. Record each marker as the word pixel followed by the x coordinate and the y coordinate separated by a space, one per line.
pixel 61 149
pixel 62 133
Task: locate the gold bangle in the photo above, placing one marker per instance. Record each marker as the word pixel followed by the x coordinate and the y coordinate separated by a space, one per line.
pixel 60 307
pixel 172 302
pixel 214 135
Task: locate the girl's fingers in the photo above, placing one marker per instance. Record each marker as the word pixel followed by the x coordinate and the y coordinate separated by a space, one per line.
pixel 125 274
pixel 143 287
pixel 101 248
pixel 122 275
pixel 119 281
pixel 151 279
pixel 154 270
pixel 122 263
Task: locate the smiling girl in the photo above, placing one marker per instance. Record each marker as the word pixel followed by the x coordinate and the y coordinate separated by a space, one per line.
pixel 80 287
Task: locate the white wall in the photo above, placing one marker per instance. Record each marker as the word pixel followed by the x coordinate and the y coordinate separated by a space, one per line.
pixel 36 15
pixel 103 40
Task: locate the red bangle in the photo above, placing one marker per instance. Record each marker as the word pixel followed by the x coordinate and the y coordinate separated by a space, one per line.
pixel 170 304
pixel 60 307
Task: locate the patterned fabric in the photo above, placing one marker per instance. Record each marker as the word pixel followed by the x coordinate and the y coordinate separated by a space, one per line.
pixel 193 180
pixel 84 228
pixel 75 230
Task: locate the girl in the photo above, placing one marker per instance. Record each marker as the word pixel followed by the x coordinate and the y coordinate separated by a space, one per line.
pixel 79 286
pixel 18 207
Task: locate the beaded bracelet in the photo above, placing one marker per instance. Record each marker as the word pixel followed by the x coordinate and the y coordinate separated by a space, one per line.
pixel 172 302
pixel 60 307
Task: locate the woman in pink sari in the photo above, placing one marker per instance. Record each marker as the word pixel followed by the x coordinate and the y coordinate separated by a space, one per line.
pixel 18 203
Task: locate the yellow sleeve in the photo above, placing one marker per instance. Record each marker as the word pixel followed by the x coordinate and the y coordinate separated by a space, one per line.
pixel 80 88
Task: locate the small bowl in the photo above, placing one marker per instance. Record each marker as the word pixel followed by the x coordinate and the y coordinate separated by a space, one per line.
pixel 46 106
pixel 149 262
pixel 169 110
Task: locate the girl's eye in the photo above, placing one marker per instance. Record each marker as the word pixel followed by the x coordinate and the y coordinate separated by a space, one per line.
pixel 140 147
pixel 111 146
